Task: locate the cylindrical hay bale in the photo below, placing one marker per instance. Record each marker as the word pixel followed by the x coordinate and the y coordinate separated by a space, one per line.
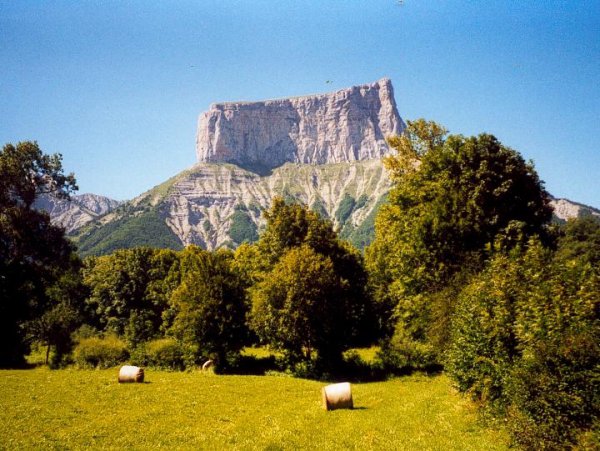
pixel 337 396
pixel 129 373
pixel 207 365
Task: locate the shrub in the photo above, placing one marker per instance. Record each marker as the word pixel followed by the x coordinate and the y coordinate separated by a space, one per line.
pixel 526 339
pixel 96 352
pixel 165 353
pixel 401 354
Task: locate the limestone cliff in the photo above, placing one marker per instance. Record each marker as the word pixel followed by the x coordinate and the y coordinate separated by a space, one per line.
pixel 347 125
pixel 78 211
pixel 565 209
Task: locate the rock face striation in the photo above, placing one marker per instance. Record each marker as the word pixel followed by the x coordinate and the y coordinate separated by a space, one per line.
pixel 78 211
pixel 344 126
pixel 321 150
pixel 217 205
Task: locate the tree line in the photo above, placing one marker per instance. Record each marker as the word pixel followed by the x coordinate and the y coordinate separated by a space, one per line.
pixel 466 273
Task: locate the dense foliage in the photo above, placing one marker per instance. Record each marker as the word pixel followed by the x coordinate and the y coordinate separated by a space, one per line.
pixel 310 297
pixel 526 339
pixel 452 198
pixel 147 228
pixel 209 308
pixel 130 291
pixel 33 252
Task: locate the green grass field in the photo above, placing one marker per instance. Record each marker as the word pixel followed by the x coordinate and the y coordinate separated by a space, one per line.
pixel 69 409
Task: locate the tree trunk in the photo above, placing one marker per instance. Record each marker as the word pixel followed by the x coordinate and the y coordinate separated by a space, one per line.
pixel 47 353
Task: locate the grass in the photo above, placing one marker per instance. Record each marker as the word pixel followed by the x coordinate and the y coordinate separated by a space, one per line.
pixel 71 409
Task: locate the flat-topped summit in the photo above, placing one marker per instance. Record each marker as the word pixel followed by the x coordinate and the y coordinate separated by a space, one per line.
pixel 347 125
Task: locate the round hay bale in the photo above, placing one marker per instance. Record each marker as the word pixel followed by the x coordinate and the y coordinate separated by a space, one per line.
pixel 129 373
pixel 208 364
pixel 337 396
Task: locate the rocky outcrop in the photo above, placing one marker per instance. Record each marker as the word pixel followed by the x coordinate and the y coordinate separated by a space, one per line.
pixel 348 125
pixel 202 206
pixel 565 209
pixel 78 211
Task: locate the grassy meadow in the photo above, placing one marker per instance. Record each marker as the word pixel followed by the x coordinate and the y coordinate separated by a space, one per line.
pixel 69 409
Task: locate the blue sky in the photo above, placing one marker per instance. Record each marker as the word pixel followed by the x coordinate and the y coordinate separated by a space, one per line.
pixel 117 86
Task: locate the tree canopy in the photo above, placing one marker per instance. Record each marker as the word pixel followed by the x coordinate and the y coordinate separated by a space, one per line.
pixel 310 299
pixel 452 198
pixel 33 252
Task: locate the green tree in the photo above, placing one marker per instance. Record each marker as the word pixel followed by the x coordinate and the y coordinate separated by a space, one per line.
pixel 293 226
pixel 581 239
pixel 452 198
pixel 64 314
pixel 526 340
pixel 129 291
pixel 209 307
pixel 297 308
pixel 33 252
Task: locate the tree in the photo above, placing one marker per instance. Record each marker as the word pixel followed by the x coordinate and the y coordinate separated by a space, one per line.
pixel 581 239
pixel 65 313
pixel 209 307
pixel 295 228
pixel 298 308
pixel 33 252
pixel 129 290
pixel 452 199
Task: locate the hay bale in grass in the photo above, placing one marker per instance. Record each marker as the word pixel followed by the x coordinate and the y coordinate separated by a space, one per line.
pixel 337 396
pixel 129 373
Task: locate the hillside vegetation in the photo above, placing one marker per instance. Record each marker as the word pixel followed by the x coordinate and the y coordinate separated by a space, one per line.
pixel 221 205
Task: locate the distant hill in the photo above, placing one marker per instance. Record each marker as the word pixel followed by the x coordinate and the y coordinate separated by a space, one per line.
pixel 75 213
pixel 565 209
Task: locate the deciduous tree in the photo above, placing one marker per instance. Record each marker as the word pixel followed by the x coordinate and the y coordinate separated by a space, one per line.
pixel 33 252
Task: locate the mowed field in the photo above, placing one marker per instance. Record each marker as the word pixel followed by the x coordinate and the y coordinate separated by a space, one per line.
pixel 70 409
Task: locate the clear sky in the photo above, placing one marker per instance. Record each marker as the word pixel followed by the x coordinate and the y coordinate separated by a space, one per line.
pixel 117 86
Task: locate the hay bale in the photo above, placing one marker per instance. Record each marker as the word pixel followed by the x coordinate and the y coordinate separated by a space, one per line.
pixel 208 364
pixel 129 373
pixel 337 396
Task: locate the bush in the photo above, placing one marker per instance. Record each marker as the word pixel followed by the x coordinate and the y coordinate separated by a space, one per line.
pixel 164 353
pixel 96 352
pixel 526 341
pixel 401 354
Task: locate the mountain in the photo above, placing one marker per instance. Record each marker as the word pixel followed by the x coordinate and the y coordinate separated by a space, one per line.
pixel 565 209
pixel 347 125
pixel 81 209
pixel 322 150
pixel 220 204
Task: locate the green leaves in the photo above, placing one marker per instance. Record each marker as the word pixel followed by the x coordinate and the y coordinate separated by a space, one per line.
pixel 309 295
pixel 453 198
pixel 33 252
pixel 525 339
pixel 209 307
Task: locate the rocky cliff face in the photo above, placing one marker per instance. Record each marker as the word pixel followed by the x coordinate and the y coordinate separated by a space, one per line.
pixel 565 209
pixel 322 150
pixel 348 125
pixel 204 206
pixel 77 212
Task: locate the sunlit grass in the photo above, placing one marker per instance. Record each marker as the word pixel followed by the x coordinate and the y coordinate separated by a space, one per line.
pixel 193 410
